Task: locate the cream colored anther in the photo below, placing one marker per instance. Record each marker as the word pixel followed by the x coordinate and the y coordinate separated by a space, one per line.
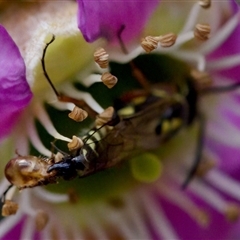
pixel 9 208
pixel 109 80
pixel 202 31
pixel 75 144
pixel 205 3
pixel 41 220
pixel 78 114
pixel 232 212
pixel 101 57
pixel 167 40
pixel 104 117
pixel 149 43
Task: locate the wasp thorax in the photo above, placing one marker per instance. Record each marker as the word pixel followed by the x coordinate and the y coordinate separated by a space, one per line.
pixel 28 171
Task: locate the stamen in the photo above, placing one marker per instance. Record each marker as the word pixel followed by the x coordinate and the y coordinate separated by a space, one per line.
pixel 43 117
pixel 167 40
pixel 118 219
pixel 104 117
pixel 41 220
pixel 28 229
pixel 25 203
pixel 224 63
pixel 91 79
pixel 50 197
pixel 190 56
pixel 150 43
pixel 224 183
pixel 136 217
pixel 9 208
pixel 74 93
pixel 205 3
pixel 34 138
pixel 202 31
pixel 101 57
pixel 183 202
pixel 3 186
pixel 75 144
pixel 219 37
pixel 215 200
pixel 192 18
pixel 109 80
pixel 207 163
pixel 78 114
pixel 202 80
pixel 159 221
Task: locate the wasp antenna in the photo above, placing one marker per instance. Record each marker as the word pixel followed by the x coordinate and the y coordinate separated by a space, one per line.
pixel 119 35
pixel 44 68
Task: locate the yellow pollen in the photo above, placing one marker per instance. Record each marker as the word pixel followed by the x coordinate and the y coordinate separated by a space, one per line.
pixel 202 31
pixel 78 114
pixel 202 218
pixel 9 208
pixel 109 80
pixel 41 220
pixel 126 111
pixel 101 57
pixel 58 157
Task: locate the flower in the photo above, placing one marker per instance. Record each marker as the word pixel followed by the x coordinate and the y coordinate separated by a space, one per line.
pixel 126 201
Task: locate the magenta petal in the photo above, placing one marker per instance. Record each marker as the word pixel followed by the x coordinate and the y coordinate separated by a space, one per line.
pixel 15 93
pixel 106 18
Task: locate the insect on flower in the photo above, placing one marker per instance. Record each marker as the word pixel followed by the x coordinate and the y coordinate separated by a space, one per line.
pixel 141 120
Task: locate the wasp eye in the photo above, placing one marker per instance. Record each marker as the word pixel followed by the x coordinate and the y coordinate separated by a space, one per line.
pixel 25 171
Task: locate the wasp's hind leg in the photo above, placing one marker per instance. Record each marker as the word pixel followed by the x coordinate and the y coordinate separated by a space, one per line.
pixel 199 150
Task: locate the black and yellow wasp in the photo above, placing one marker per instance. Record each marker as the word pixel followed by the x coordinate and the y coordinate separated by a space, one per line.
pixel 147 114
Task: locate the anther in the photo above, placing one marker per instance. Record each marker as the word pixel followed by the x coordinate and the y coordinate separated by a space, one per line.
pixel 149 43
pixel 202 80
pixel 41 220
pixel 167 40
pixel 9 208
pixel 232 212
pixel 104 117
pixel 109 80
pixel 75 144
pixel 202 218
pixel 205 3
pixel 58 157
pixel 72 195
pixel 202 31
pixel 205 165
pixel 78 114
pixel 101 58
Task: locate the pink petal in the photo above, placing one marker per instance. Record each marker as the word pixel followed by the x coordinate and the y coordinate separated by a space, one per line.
pixel 105 18
pixel 15 93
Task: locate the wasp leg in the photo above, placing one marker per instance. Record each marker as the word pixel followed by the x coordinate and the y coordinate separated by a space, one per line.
pixel 199 150
pixel 3 198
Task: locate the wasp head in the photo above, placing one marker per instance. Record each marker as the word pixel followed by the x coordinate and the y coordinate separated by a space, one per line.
pixel 29 171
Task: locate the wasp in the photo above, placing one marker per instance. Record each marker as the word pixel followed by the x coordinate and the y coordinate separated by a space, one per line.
pixel 143 119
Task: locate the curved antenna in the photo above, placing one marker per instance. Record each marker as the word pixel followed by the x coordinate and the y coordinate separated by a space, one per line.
pixel 44 68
